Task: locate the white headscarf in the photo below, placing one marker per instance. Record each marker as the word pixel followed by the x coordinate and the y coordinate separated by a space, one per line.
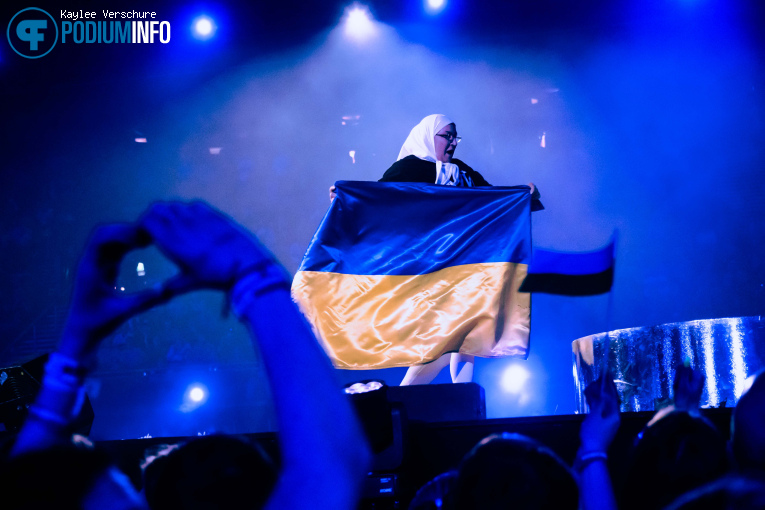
pixel 420 143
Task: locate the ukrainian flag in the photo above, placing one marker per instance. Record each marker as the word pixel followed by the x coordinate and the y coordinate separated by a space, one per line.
pixel 400 273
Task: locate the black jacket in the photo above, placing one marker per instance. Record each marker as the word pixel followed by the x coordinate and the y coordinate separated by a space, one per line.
pixel 414 169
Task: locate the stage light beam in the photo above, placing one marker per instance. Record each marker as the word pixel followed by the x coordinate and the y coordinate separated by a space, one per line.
pixel 514 378
pixel 197 394
pixel 358 23
pixel 203 27
pixel 434 6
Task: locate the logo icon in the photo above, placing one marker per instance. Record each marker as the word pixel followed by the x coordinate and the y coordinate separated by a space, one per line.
pixel 30 34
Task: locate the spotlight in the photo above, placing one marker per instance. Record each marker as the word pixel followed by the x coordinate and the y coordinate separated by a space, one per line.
pixel 514 378
pixel 434 6
pixel 358 23
pixel 203 27
pixel 363 387
pixel 196 395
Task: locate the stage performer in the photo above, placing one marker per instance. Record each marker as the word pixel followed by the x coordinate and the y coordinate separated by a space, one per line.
pixel 428 156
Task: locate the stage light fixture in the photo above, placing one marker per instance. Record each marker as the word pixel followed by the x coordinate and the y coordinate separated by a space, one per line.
pixel 363 387
pixel 434 6
pixel 514 378
pixel 358 23
pixel 370 400
pixel 196 394
pixel 203 27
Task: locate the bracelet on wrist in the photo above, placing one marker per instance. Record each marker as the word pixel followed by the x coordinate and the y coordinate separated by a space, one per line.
pixel 65 371
pixel 586 458
pixel 64 383
pixel 49 416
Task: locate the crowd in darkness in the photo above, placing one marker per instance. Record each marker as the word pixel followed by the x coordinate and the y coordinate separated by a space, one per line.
pixel 679 462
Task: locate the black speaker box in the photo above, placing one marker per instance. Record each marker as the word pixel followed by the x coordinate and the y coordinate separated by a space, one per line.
pixel 440 402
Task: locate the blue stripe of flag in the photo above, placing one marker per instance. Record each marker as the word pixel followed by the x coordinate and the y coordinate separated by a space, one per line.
pixel 376 228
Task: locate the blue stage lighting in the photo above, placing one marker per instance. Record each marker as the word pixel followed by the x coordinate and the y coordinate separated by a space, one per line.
pixel 514 378
pixel 434 6
pixel 203 27
pixel 196 395
pixel 358 23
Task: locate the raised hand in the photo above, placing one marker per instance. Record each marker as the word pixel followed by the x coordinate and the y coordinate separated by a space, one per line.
pixel 535 194
pixel 600 426
pixel 211 250
pixel 688 386
pixel 97 308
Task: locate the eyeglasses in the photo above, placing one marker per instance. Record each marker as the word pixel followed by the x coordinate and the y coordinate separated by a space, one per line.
pixel 450 137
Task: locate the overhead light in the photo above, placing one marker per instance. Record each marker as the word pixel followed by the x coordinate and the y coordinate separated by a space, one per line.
pixel 434 6
pixel 203 27
pixel 196 395
pixel 358 23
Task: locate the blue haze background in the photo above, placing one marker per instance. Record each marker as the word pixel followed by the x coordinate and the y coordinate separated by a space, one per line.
pixel 652 117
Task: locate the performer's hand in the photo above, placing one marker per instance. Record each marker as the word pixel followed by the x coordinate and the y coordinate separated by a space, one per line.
pixel 535 194
pixel 600 426
pixel 688 386
pixel 332 193
pixel 97 307
pixel 211 249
